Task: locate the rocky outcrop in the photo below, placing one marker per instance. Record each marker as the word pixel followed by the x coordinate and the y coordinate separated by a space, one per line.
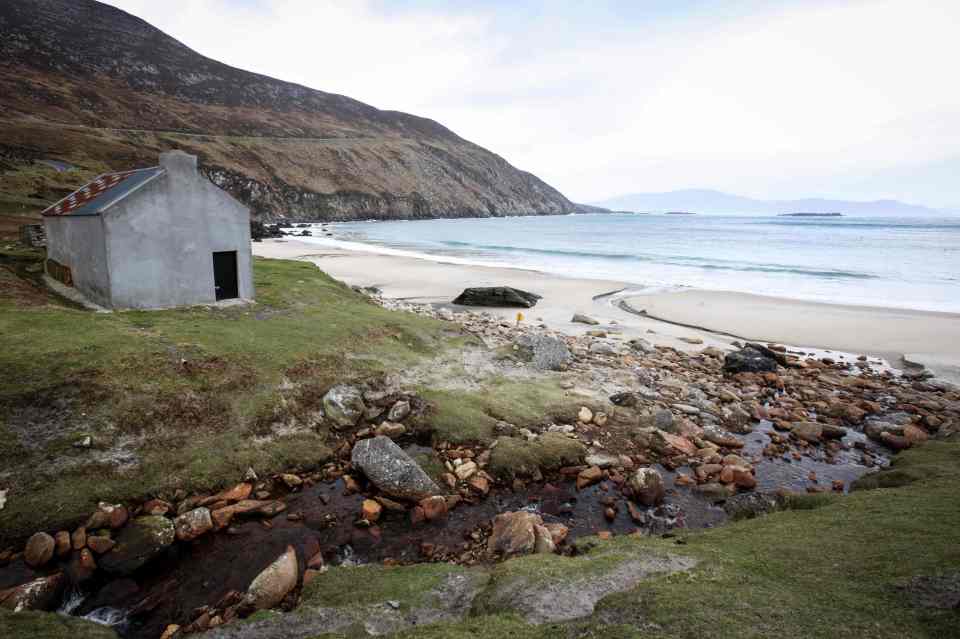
pixel 749 360
pixel 497 296
pixel 125 90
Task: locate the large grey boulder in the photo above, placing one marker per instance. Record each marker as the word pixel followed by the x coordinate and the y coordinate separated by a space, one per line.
pixel 140 541
pixel 392 470
pixel 344 405
pixel 545 352
pixel 497 296
pixel 749 360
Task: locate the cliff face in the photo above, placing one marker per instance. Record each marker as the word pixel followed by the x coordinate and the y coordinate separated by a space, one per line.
pixel 87 83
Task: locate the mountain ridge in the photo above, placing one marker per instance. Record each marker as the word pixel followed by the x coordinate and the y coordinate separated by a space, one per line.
pixel 95 86
pixel 718 202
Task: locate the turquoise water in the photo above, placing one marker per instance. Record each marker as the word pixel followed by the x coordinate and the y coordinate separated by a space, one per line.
pixel 903 263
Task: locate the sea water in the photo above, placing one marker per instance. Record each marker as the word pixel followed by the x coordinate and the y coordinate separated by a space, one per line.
pixel 892 262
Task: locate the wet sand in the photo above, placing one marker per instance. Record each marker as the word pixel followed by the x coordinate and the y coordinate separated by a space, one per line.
pixel 716 317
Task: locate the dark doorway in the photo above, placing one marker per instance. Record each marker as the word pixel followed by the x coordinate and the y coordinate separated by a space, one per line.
pixel 225 275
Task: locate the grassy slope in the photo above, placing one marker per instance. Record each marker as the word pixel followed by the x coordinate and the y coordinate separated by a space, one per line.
pixel 195 392
pixel 187 388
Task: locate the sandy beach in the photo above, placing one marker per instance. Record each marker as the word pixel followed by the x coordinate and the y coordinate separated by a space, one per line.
pixel 716 317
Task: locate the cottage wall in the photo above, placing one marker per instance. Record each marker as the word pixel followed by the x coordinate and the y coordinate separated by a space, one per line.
pixel 79 245
pixel 161 239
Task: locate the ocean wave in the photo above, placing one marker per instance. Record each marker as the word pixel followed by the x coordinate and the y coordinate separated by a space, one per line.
pixel 712 264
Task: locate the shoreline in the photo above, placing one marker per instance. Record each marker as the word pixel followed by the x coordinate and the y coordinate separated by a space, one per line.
pixel 671 318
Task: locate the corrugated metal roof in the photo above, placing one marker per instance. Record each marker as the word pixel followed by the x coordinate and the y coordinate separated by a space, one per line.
pixel 93 198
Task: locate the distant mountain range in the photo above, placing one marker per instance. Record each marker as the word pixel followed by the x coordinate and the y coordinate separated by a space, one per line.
pixel 708 201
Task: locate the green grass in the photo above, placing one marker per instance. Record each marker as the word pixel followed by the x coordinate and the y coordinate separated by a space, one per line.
pixel 191 389
pixel 344 587
pixel 29 625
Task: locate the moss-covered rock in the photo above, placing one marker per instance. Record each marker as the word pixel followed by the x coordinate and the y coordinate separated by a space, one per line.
pixel 513 456
pixel 140 541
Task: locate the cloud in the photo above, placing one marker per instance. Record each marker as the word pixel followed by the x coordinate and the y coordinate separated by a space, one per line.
pixel 766 99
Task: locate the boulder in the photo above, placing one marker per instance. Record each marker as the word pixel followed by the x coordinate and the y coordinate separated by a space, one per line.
pixel 250 507
pixel 193 523
pixel 602 348
pixel 721 438
pixel 343 405
pixel 829 431
pixel 140 541
pixel 390 429
pixel 666 443
pixel 270 587
pixel 580 318
pixel 642 346
pixel 738 420
pixel 749 505
pixel 749 360
pixel 544 352
pixel 714 491
pixel 810 432
pixel 647 487
pixel 497 296
pixel 466 470
pixel 588 477
pixel 42 593
pixel 434 508
pixel 875 430
pixel 39 550
pixel 660 418
pixel 603 460
pixel 108 516
pixel 370 511
pixel 399 411
pixel 519 533
pixel 543 543
pixel 392 470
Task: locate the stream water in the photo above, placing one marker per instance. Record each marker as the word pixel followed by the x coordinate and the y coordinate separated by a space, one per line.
pixel 321 518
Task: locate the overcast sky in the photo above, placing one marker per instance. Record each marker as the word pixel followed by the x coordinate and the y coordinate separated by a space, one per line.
pixel 855 99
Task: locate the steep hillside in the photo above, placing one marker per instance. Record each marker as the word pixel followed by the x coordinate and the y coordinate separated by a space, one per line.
pixel 84 82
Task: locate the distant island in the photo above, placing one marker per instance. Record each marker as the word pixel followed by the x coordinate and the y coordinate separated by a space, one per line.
pixel 707 201
pixel 811 215
pixel 680 213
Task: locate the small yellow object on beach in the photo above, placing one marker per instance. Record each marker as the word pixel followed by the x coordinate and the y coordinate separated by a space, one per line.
pixel 519 318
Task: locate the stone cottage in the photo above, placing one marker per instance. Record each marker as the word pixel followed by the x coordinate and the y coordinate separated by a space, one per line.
pixel 151 238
